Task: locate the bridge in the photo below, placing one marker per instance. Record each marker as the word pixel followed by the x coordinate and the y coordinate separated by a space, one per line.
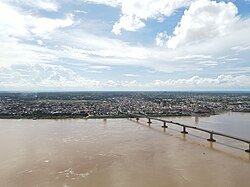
pixel 185 127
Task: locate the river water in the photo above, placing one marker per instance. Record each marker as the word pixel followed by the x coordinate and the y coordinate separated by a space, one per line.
pixel 122 152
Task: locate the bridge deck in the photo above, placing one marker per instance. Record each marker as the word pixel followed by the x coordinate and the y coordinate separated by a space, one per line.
pixel 211 132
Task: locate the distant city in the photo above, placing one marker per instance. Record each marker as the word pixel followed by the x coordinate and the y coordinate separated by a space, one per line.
pixel 115 104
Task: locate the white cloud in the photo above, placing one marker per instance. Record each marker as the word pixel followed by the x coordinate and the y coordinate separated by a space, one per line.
pixel 76 44
pixel 208 63
pixel 239 70
pixel 161 39
pixel 43 26
pixel 18 23
pixel 39 42
pixel 196 83
pixel 99 67
pixel 48 5
pixel 135 12
pixel 111 84
pixel 80 11
pixel 202 21
pixel 112 3
pixel 94 71
pixel 197 57
pixel 22 33
pixel 129 23
pixel 43 76
pixel 54 77
pixel 130 75
pixel 11 21
pixel 87 47
pixel 241 48
pixel 17 27
pixel 14 52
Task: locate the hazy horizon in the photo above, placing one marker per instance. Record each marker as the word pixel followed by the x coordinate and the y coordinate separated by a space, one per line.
pixel 170 91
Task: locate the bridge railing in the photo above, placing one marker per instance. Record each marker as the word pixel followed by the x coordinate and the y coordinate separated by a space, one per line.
pixel 185 127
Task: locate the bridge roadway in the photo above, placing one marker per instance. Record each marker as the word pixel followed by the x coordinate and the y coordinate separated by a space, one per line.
pixel 184 126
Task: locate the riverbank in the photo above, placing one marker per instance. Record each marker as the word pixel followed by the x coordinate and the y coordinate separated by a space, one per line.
pixel 72 116
pixel 78 116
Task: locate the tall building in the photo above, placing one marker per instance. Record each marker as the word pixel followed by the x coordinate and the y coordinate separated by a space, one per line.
pixel 196 110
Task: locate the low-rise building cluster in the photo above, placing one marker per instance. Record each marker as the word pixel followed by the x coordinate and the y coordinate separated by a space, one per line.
pixel 115 104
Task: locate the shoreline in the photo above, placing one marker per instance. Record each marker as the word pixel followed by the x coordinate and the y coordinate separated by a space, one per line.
pixel 83 117
pixel 113 117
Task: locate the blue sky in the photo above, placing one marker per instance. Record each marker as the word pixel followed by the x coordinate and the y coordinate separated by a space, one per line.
pixel 52 45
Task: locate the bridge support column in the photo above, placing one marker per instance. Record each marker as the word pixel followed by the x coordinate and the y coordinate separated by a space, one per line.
pixel 248 150
pixel 184 130
pixel 164 125
pixel 149 121
pixel 211 139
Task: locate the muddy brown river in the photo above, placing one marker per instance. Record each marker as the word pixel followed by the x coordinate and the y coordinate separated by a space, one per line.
pixel 123 153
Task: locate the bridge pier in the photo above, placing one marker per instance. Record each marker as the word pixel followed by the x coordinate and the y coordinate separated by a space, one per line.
pixel 248 150
pixel 164 125
pixel 211 139
pixel 149 121
pixel 184 130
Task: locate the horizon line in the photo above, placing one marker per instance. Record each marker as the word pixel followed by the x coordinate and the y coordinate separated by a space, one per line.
pixel 70 91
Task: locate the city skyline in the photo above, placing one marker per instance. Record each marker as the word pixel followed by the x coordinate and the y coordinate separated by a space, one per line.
pixel 114 45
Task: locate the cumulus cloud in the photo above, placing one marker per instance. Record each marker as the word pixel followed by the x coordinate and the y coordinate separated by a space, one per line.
pixel 196 82
pixel 129 23
pixel 53 77
pixel 135 12
pixel 26 37
pixel 42 76
pixel 202 21
pixel 29 38
pixel 50 77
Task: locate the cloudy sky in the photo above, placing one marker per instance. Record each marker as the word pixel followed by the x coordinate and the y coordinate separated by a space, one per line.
pixel 63 45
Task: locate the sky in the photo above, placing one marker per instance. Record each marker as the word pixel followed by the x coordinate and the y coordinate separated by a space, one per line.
pixel 124 45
